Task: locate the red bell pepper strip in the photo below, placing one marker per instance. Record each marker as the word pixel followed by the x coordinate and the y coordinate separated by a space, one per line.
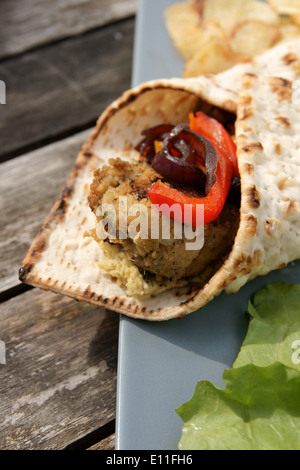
pixel 160 193
pixel 217 135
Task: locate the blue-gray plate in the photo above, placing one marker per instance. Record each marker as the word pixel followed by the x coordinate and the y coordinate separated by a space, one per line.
pixel 159 364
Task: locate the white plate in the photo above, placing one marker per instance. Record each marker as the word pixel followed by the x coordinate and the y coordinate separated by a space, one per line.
pixel 159 364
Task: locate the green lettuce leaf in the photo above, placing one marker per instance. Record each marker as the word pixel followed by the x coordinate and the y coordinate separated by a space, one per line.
pixel 259 408
pixel 274 327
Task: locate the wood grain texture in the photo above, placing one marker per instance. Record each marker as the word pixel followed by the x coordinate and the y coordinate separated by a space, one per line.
pixel 59 380
pixel 62 62
pixel 63 88
pixel 30 23
pixel 30 184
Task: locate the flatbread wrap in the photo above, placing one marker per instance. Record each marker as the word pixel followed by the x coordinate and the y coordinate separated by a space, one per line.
pixel 67 258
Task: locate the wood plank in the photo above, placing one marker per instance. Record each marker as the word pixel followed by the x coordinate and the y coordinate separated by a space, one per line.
pixel 31 23
pixel 30 184
pixel 63 88
pixel 59 381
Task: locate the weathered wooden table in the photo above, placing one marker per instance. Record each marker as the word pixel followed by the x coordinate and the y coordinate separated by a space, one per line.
pixel 62 64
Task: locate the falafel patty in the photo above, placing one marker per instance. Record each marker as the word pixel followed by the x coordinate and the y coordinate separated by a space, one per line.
pixel 165 259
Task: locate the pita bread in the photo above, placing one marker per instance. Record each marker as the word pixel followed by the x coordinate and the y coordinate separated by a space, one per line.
pixel 62 259
pixel 268 238
pixel 223 89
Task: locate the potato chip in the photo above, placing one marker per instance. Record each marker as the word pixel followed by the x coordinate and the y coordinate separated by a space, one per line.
pixel 289 8
pixel 288 29
pixel 296 19
pixel 253 37
pixel 213 35
pixel 214 57
pixel 285 7
pixel 229 13
pixel 260 11
pixel 187 30
pixel 183 25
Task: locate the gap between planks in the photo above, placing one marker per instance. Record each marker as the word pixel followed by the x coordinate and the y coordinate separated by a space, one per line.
pixel 102 438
